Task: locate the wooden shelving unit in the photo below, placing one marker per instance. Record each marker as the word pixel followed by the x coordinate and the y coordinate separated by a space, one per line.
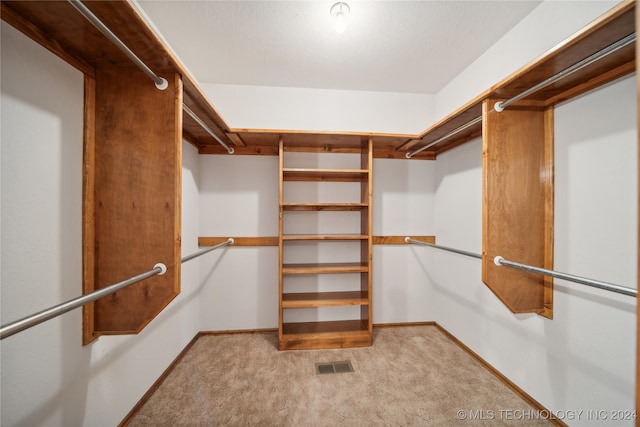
pixel 611 27
pixel 332 333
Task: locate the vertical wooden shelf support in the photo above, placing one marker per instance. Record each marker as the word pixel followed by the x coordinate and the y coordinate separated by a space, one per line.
pixel 366 229
pixel 517 215
pixel 132 186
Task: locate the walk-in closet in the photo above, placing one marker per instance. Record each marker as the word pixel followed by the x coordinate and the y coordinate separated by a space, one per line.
pixel 179 248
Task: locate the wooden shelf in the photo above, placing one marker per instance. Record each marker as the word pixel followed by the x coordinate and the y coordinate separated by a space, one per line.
pixel 328 175
pixel 315 237
pixel 324 206
pixel 324 299
pixel 611 27
pixel 319 335
pixel 325 268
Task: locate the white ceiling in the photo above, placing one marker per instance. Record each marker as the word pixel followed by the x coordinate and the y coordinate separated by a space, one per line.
pixel 396 46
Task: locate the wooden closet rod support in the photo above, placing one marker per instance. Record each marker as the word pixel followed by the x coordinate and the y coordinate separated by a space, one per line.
pixel 499 261
pixel 631 38
pixel 442 138
pixel 161 83
pixel 229 241
pixel 444 248
pixel 193 115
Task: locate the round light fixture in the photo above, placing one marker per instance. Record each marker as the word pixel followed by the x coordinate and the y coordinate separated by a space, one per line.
pixel 340 11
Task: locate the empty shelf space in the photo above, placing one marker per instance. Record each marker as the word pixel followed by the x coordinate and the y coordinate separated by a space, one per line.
pixel 324 206
pixel 324 299
pixel 335 175
pixel 354 327
pixel 308 237
pixel 332 334
pixel 343 267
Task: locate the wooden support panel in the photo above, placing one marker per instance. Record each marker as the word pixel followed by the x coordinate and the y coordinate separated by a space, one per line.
pixel 134 205
pixel 518 205
pixel 239 241
pixel 399 240
pixel 366 228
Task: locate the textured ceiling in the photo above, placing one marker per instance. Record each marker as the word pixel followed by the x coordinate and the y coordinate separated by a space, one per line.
pixel 397 46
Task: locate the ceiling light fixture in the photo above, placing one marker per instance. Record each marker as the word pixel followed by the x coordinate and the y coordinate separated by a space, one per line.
pixel 340 11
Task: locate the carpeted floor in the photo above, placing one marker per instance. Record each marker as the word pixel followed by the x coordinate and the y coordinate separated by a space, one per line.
pixel 410 376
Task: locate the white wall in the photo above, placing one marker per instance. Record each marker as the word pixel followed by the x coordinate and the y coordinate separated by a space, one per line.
pixel 403 205
pixel 239 285
pixel 545 27
pixel 259 107
pixel 239 197
pixel 583 359
pixel 47 376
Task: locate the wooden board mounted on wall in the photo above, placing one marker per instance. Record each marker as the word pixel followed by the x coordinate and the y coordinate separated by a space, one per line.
pixel 517 215
pixel 132 173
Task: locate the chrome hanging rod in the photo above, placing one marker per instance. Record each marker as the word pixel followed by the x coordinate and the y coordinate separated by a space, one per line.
pixel 44 315
pixel 444 248
pixel 577 279
pixel 442 138
pixel 207 250
pixel 51 312
pixel 500 261
pixel 631 38
pixel 500 106
pixel 193 115
pixel 161 83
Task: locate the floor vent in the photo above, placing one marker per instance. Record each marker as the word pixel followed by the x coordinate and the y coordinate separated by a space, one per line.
pixel 334 367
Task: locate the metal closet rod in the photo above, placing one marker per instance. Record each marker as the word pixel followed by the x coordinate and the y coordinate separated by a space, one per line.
pixel 500 261
pixel 161 83
pixel 51 312
pixel 500 106
pixel 577 279
pixel 442 138
pixel 193 115
pixel 229 241
pixel 444 248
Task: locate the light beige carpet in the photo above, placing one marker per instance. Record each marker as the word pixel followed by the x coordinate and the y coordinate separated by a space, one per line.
pixel 410 376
